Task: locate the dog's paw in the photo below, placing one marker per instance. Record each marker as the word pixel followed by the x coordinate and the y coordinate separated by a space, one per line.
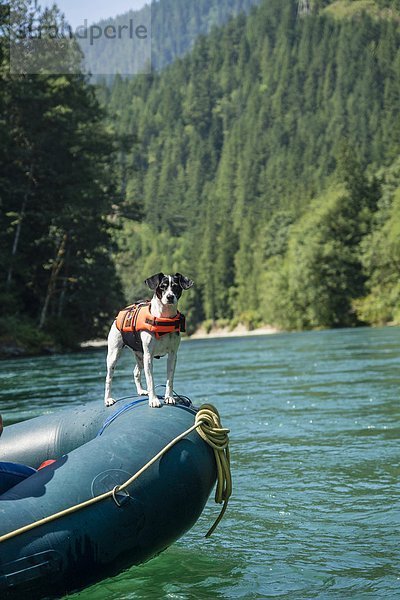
pixel 155 403
pixel 169 400
pixel 109 401
pixel 142 392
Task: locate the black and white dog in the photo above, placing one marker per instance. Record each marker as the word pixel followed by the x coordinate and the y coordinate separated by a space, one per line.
pixel 163 305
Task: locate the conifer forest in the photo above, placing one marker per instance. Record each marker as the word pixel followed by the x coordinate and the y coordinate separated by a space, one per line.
pixel 260 157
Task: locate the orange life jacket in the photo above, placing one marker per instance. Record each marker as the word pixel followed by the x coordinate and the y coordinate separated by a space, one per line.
pixel 137 317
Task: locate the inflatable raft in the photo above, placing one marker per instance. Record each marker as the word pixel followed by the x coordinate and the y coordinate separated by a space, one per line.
pixel 96 450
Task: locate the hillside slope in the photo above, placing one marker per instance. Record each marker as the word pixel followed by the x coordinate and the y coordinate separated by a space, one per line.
pixel 231 145
pixel 175 25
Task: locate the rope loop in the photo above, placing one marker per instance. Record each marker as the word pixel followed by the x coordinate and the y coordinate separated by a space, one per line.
pixel 114 493
pixel 122 492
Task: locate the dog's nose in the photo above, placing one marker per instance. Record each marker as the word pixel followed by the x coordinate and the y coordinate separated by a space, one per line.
pixel 170 297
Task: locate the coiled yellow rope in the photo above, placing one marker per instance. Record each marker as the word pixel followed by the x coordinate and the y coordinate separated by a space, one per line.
pixel 208 425
pixel 209 428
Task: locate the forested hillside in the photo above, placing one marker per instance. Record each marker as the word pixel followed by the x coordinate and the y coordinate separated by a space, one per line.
pixel 57 187
pixel 265 165
pixel 175 25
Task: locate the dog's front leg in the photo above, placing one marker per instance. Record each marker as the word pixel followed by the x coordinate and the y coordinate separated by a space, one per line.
pixel 171 364
pixel 137 374
pixel 154 402
pixel 115 345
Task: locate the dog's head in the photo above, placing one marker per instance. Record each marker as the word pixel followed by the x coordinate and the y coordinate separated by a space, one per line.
pixel 168 288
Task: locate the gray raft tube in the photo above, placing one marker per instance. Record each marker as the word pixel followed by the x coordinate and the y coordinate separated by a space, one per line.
pixel 96 449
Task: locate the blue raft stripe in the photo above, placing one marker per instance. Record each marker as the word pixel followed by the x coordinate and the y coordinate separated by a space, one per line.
pixel 119 412
pixel 133 404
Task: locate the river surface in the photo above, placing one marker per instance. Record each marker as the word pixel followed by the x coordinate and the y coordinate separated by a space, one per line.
pixel 315 430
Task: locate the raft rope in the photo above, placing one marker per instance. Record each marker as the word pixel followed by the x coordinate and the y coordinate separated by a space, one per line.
pixel 208 426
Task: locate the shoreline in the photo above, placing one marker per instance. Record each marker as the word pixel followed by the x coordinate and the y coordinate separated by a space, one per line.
pixel 203 334
pixel 16 351
pixel 226 332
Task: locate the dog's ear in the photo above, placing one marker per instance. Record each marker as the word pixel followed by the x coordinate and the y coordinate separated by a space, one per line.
pixel 154 281
pixel 184 282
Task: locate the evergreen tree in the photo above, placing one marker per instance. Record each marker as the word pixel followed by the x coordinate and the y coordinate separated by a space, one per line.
pixel 57 189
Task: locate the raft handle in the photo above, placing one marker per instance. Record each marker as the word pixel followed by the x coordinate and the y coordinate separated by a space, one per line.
pixel 122 494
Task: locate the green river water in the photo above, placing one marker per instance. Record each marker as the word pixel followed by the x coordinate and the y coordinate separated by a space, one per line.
pixel 315 429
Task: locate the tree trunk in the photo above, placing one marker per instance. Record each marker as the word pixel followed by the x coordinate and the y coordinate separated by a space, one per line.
pixel 55 271
pixel 16 241
pixel 19 227
pixel 64 286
